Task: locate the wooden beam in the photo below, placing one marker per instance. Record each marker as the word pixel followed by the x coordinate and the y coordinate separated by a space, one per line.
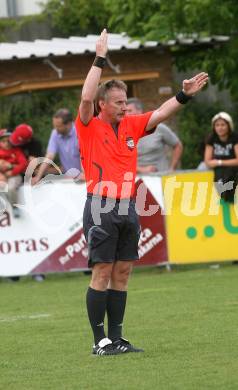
pixel 26 86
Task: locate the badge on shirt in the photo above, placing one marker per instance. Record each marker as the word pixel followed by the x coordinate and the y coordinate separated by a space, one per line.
pixel 130 143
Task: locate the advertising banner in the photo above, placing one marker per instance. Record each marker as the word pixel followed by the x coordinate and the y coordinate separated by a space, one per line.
pixel 149 203
pixel 48 236
pixel 199 227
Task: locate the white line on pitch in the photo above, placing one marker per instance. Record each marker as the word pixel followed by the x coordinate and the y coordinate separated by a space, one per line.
pixel 26 317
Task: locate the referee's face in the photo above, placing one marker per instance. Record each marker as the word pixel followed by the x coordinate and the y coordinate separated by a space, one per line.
pixel 113 108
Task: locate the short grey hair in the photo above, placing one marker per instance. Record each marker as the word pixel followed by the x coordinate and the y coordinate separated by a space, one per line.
pixel 105 87
pixel 137 103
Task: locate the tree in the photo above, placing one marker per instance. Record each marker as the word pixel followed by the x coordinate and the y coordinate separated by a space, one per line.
pixel 160 20
pixel 77 17
pixel 37 108
pixel 194 127
pixel 5 25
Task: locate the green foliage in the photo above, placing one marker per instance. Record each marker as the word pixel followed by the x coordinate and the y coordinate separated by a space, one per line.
pixel 36 109
pixel 194 125
pixel 131 16
pixel 220 63
pixel 6 24
pixel 146 20
pixel 77 17
pixel 162 20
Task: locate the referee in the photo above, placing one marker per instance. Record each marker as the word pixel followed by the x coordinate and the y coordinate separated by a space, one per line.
pixel 111 226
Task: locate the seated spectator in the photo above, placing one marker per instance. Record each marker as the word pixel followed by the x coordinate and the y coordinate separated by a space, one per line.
pixel 221 154
pixel 23 136
pixel 12 163
pixel 152 152
pixel 64 143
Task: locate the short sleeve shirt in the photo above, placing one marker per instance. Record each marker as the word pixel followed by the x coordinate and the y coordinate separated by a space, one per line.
pixel 223 150
pixel 152 148
pixel 109 160
pixel 67 148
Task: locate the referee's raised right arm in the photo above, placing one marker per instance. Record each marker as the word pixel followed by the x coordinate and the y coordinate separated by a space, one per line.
pixel 86 108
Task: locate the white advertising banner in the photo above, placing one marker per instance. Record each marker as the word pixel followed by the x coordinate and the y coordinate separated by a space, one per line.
pixel 48 236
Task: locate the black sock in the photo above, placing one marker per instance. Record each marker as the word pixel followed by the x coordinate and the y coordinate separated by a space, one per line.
pixel 96 305
pixel 116 303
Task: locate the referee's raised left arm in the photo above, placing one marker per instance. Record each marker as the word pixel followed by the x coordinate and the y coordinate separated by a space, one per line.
pixel 86 108
pixel 171 106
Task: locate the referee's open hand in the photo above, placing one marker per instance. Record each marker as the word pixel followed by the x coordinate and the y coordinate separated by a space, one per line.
pixel 101 44
pixel 193 85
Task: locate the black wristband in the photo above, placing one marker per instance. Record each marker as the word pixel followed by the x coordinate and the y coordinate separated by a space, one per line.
pixel 182 98
pixel 99 62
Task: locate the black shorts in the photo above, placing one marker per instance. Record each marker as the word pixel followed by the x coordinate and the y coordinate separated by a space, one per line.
pixel 114 236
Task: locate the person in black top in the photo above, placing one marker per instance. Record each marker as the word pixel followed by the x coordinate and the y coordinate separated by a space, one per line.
pixel 221 154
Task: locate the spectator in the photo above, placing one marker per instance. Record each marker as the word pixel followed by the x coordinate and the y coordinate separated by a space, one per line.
pixel 221 154
pixel 23 136
pixel 152 155
pixel 64 143
pixel 12 163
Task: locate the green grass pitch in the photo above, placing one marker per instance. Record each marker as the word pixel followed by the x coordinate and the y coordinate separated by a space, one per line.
pixel 186 320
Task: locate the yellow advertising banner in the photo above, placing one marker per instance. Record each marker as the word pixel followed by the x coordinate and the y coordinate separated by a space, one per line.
pixel 199 226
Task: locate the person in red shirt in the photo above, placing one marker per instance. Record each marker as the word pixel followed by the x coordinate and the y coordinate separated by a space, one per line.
pixel 23 137
pixel 111 226
pixel 12 163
